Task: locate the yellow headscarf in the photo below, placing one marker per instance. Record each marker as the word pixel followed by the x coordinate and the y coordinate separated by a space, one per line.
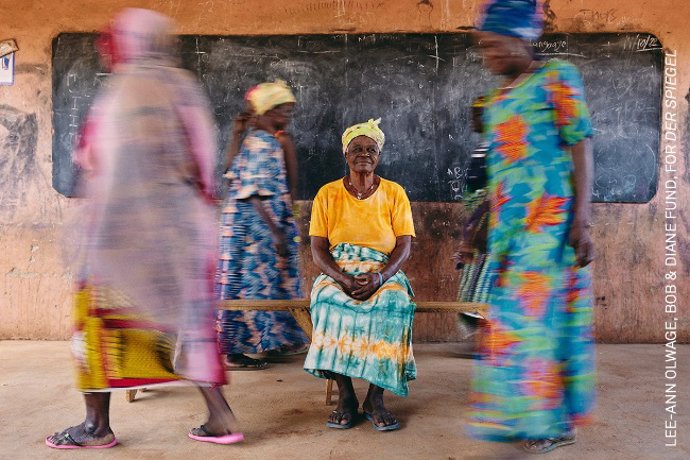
pixel 263 97
pixel 479 102
pixel 369 129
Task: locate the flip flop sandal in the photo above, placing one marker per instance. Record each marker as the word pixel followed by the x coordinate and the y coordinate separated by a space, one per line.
pixel 65 441
pixel 340 426
pixel 284 354
pixel 275 356
pixel 293 351
pixel 247 364
pixel 205 436
pixel 392 427
pixel 543 446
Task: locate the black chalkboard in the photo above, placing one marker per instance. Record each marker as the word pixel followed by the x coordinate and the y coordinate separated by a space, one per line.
pixel 421 85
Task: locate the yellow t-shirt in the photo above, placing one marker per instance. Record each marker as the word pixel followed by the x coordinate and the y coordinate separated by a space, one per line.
pixel 374 222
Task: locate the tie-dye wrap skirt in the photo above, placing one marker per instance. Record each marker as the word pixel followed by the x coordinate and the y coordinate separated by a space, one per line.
pixel 369 340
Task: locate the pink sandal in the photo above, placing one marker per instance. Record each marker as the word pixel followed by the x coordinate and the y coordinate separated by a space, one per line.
pixel 205 436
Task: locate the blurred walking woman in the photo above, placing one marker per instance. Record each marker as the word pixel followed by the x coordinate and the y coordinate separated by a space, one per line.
pixel 145 256
pixel 535 381
pixel 258 236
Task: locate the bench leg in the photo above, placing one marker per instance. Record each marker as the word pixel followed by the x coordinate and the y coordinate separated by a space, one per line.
pixel 130 395
pixel 303 318
pixel 329 392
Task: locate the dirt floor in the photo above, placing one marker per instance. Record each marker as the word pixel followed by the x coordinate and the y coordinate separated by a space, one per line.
pixel 282 412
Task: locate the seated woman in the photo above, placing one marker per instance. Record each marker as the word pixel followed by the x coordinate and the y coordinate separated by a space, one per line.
pixel 361 232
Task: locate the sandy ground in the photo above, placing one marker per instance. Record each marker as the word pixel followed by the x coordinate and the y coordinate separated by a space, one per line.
pixel 282 412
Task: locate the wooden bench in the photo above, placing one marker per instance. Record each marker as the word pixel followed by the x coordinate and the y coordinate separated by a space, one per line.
pixel 299 308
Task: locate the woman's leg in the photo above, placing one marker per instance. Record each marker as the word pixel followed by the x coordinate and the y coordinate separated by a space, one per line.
pixel 97 413
pixel 346 411
pixel 221 420
pixel 94 430
pixel 375 409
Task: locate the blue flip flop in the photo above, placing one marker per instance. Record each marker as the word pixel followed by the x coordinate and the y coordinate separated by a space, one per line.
pixel 393 427
pixel 340 426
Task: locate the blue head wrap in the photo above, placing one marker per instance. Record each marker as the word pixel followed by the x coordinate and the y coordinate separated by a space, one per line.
pixel 515 18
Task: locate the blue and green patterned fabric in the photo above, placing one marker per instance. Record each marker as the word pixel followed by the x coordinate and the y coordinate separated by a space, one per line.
pixel 535 379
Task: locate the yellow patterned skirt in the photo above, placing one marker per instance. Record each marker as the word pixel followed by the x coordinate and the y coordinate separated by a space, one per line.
pixel 114 346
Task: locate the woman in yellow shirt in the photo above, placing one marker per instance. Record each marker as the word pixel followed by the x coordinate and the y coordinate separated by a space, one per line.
pixel 361 305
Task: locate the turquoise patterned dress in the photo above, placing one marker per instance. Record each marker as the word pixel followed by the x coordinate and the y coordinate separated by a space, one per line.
pixel 536 376
pixel 248 266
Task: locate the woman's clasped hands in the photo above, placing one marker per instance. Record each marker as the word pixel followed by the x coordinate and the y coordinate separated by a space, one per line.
pixel 362 286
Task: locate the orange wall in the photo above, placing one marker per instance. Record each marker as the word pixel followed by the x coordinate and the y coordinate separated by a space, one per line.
pixel 35 301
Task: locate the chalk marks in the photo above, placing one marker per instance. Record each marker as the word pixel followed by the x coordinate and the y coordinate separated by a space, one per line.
pixel 77 75
pixel 559 45
pixel 20 176
pixel 595 16
pixel 642 42
pixel 594 20
pixel 625 103
pixel 339 7
pixel 554 46
pixel 457 182
pixel 27 68
pixel 77 100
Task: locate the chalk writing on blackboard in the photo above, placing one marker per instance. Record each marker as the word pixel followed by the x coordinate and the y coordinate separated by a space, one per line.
pixel 457 182
pixel 421 85
pixel 641 42
pixel 551 46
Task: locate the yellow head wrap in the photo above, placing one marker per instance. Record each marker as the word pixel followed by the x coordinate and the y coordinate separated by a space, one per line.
pixel 369 129
pixel 479 102
pixel 265 96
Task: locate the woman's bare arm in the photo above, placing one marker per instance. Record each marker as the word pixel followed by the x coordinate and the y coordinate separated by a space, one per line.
pixel 239 126
pixel 320 252
pixel 291 169
pixel 278 234
pixel 579 236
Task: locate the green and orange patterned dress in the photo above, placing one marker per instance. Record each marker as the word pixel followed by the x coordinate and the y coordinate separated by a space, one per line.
pixel 536 376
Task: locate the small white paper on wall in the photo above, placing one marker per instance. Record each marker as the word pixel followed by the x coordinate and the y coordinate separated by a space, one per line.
pixel 7 69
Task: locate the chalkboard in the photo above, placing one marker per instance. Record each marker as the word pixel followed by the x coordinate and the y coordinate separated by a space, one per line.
pixel 421 85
